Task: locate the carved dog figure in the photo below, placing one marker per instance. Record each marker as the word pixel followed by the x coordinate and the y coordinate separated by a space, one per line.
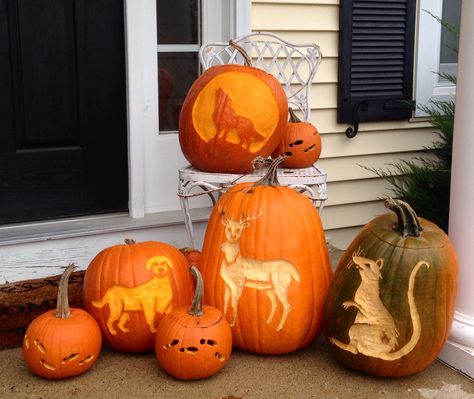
pixel 150 297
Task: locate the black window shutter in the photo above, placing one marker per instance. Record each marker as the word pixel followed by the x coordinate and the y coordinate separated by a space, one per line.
pixel 376 45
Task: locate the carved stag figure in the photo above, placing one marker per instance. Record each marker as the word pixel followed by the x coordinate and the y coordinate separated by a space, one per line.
pixel 273 276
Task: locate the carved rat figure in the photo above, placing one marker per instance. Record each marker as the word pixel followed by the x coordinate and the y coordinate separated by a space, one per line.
pixel 374 332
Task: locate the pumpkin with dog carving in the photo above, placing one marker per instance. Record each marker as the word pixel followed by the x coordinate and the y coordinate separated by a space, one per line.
pixel 128 289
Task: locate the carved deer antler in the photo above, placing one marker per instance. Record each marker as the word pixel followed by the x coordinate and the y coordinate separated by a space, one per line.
pixel 248 217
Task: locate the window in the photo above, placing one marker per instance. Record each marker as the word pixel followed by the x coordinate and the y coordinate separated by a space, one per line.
pixel 179 39
pixel 436 50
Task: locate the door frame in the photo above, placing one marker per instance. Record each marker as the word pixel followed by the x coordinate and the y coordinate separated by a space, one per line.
pixel 142 89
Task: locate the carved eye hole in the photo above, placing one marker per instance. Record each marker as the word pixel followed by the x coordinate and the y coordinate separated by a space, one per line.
pixel 219 356
pixel 171 344
pixel 209 342
pixel 87 359
pixel 40 346
pixel 70 358
pixel 47 365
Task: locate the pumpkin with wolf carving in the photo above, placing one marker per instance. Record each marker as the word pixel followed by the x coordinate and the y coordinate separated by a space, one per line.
pixel 265 264
pixel 128 288
pixel 232 114
pixel 390 308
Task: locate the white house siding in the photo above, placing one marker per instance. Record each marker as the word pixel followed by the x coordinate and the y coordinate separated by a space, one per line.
pixel 354 193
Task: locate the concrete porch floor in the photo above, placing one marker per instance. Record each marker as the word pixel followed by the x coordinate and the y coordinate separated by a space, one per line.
pixel 308 373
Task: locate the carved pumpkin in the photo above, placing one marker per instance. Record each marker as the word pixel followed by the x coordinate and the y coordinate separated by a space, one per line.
pixel 63 342
pixel 128 288
pixel 391 305
pixel 232 114
pixel 301 144
pixel 193 343
pixel 265 265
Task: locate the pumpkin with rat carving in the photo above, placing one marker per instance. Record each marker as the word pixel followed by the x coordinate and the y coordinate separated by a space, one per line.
pixel 390 308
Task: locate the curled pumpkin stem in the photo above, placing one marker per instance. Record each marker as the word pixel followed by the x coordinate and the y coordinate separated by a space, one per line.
pixel 293 117
pixel 271 177
pixel 62 308
pixel 243 53
pixel 407 219
pixel 196 305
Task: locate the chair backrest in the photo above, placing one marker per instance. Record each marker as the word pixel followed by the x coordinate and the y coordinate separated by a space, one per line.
pixel 294 65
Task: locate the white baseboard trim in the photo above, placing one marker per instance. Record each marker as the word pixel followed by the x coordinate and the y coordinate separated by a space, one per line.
pixel 459 357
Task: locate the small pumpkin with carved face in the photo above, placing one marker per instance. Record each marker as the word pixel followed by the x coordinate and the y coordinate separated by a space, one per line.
pixel 194 343
pixel 63 342
pixel 301 144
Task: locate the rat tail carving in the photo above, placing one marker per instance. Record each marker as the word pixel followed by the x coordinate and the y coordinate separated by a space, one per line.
pixel 415 319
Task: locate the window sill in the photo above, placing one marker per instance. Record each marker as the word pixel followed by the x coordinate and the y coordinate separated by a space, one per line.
pixel 85 226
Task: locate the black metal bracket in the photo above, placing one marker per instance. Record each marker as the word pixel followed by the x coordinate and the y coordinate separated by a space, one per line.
pixel 362 106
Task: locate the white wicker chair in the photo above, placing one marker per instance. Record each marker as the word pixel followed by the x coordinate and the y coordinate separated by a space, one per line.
pixel 294 65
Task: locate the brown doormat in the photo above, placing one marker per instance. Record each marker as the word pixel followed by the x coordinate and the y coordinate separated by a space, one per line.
pixel 22 301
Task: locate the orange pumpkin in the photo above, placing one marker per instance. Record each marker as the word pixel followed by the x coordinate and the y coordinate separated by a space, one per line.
pixel 232 114
pixel 301 144
pixel 265 264
pixel 192 255
pixel 63 342
pixel 128 288
pixel 390 308
pixel 193 343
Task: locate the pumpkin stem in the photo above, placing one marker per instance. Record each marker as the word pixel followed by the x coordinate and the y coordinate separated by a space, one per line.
pixel 271 177
pixel 129 241
pixel 293 117
pixel 196 305
pixel 62 308
pixel 243 53
pixel 408 223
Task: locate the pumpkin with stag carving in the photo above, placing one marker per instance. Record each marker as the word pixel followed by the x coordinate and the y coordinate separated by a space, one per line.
pixel 63 342
pixel 390 308
pixel 128 288
pixel 265 264
pixel 232 114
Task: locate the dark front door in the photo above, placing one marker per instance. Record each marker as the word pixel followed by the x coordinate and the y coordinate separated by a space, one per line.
pixel 63 130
